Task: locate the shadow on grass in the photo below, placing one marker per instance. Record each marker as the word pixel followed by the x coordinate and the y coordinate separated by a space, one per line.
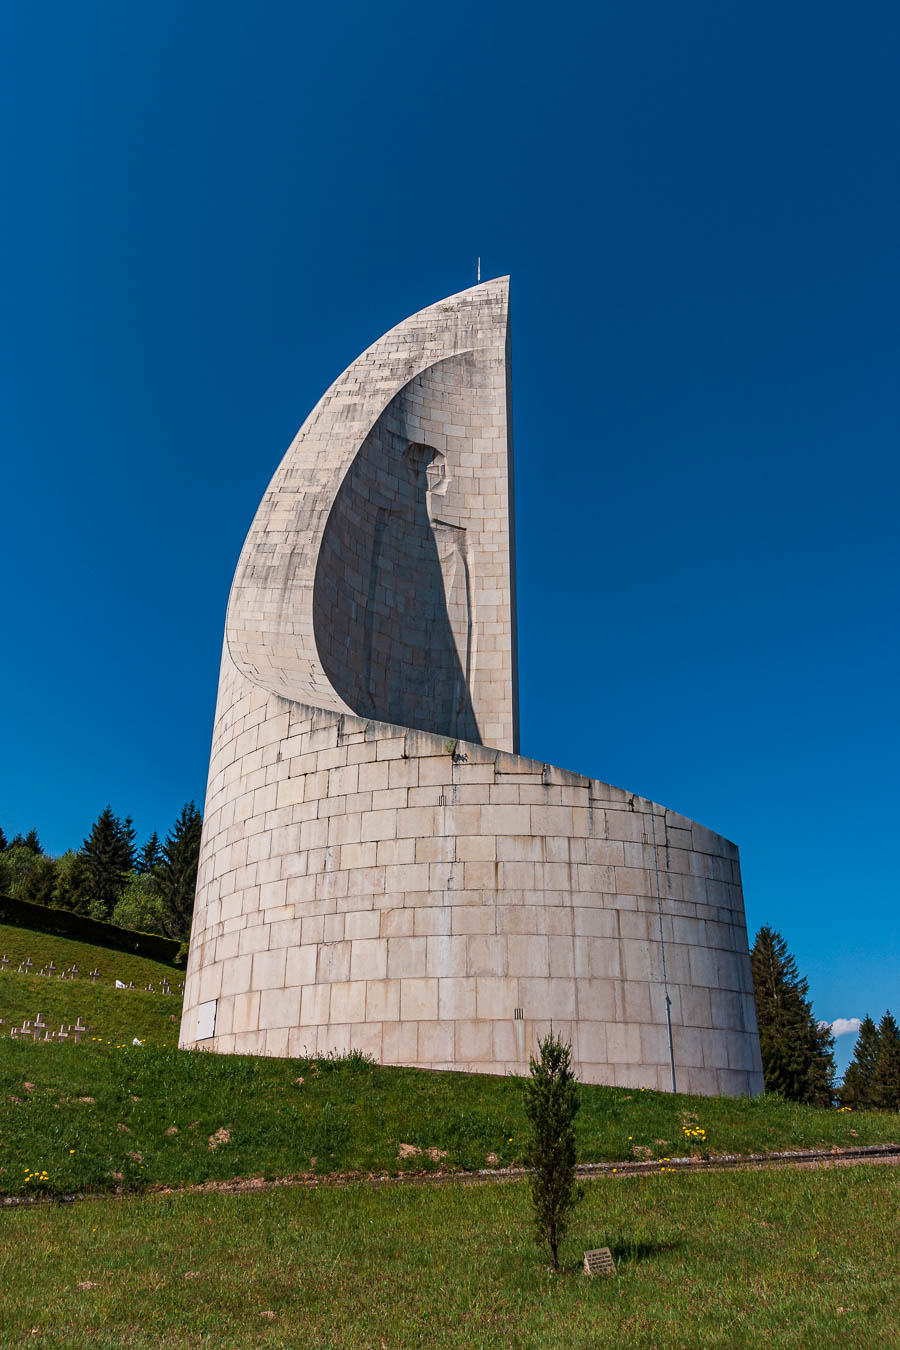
pixel 626 1252
pixel 629 1252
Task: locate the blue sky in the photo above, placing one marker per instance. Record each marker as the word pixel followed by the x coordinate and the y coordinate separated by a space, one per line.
pixel 210 210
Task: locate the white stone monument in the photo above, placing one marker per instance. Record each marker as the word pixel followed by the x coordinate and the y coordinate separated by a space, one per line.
pixel 380 869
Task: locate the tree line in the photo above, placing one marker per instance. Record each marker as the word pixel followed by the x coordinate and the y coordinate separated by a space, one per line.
pixel 798 1050
pixel 149 888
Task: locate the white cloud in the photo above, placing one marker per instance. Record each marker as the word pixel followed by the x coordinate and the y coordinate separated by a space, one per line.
pixel 843 1026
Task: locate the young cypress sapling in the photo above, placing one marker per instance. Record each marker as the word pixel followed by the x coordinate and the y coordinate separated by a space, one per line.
pixel 551 1104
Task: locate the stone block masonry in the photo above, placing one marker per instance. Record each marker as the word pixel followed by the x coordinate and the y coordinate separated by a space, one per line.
pixel 380 869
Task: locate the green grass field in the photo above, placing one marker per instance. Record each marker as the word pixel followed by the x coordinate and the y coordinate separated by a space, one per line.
pixel 750 1259
pixel 757 1259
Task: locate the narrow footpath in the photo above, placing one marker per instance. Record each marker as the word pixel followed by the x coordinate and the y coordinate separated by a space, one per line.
pixel 885 1154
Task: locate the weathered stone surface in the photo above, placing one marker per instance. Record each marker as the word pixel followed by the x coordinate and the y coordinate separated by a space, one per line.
pixel 380 868
pixel 599 1262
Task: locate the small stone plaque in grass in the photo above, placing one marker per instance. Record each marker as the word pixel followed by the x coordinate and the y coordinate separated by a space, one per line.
pixel 599 1262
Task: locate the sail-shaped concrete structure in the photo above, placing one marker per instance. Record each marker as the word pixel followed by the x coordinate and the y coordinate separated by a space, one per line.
pixel 380 868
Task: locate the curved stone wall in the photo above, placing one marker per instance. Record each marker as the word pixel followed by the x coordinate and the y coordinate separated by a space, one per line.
pixel 400 885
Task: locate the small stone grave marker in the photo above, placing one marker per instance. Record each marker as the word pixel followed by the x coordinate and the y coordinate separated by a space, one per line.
pixel 94 974
pixel 5 962
pixel 599 1262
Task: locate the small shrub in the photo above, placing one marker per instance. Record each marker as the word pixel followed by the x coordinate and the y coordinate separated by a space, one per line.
pixel 551 1103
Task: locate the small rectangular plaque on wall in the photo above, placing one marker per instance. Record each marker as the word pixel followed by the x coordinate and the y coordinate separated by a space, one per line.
pixel 599 1262
pixel 206 1019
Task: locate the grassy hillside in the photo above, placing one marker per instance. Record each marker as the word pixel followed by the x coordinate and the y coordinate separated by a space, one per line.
pixel 749 1259
pixel 98 1115
pixel 20 943
pixel 112 1013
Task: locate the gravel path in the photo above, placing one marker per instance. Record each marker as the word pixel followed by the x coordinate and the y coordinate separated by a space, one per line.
pixel 885 1154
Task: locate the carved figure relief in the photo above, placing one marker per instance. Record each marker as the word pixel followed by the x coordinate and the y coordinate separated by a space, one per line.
pixel 453 555
pixel 419 588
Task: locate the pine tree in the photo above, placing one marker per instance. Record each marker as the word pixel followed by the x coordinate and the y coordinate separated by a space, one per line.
pixel 176 873
pixel 886 1076
pixel 551 1103
pixel 821 1066
pixel 32 841
pixel 149 855
pixel 857 1086
pixel 29 841
pixel 797 1053
pixel 128 838
pixel 108 853
pixel 4 842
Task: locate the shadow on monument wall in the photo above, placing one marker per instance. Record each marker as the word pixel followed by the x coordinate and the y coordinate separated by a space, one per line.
pixel 386 567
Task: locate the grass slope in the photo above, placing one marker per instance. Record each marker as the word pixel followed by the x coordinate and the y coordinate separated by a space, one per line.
pixel 20 943
pixel 114 1014
pixel 784 1259
pixel 152 1112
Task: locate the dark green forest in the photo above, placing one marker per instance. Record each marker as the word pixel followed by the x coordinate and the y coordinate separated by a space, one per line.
pixel 148 888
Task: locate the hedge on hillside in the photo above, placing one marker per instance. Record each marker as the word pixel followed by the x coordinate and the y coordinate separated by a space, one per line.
pixel 23 914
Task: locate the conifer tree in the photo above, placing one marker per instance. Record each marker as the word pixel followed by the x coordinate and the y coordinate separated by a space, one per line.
pixel 886 1076
pixel 29 841
pixel 797 1052
pixel 4 842
pixel 551 1103
pixel 176 873
pixel 856 1089
pixel 108 853
pixel 128 838
pixel 32 841
pixel 149 855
